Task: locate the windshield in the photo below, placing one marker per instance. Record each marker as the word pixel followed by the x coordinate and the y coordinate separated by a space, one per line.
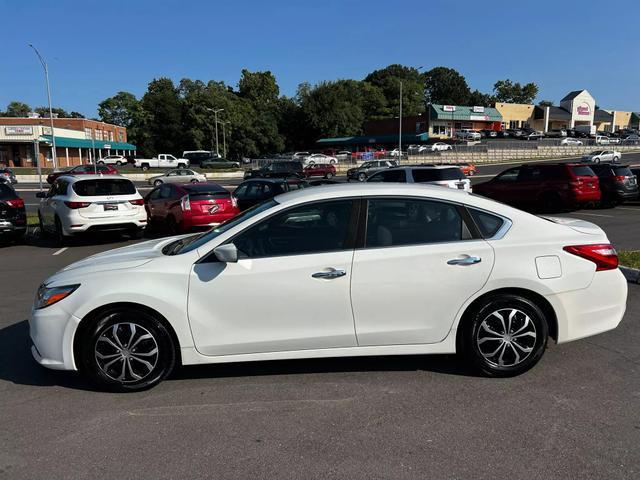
pixel 189 244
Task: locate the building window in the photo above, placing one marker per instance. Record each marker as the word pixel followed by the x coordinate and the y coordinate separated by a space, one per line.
pixel 87 133
pixel 514 123
pixel 98 134
pixel 121 136
pixel 440 130
pixel 111 136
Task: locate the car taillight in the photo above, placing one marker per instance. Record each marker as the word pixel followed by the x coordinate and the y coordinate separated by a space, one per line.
pixel 603 255
pixel 620 178
pixel 139 201
pixel 185 204
pixel 76 205
pixel 15 203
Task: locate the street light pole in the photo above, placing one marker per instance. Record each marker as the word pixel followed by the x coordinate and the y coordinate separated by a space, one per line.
pixel 400 129
pixel 224 138
pixel 54 155
pixel 215 112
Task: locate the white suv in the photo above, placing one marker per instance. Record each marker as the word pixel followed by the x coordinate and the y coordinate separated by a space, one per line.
pixel 442 175
pixel 468 134
pixel 91 203
pixel 113 160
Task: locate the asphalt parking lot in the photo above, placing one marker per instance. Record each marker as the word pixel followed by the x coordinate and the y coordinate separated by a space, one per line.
pixel 573 416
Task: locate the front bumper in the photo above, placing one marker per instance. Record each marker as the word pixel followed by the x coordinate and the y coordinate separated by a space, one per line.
pixel 52 330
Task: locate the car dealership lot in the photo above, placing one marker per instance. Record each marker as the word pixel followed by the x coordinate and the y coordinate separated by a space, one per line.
pixel 575 415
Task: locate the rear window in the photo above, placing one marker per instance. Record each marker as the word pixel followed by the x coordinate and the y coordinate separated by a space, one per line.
pixel 436 174
pixel 487 223
pixel 203 188
pixel 622 171
pixel 582 171
pixel 6 192
pixel 104 186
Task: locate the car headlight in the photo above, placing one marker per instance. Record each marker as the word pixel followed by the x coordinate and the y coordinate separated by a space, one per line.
pixel 47 296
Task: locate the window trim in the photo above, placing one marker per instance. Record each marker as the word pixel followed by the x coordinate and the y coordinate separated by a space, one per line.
pixel 502 231
pixel 349 244
pixel 465 216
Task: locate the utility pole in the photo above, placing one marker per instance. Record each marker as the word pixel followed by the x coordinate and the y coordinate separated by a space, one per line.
pixel 400 129
pixel 54 155
pixel 215 113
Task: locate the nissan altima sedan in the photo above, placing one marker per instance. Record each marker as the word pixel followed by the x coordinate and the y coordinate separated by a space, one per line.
pixel 408 269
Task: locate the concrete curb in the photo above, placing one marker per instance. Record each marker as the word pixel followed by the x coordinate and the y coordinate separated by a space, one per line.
pixel 631 274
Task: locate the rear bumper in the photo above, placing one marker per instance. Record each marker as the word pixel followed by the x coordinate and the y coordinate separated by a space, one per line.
pixel 206 220
pixel 627 194
pixel 585 197
pixel 7 227
pixel 592 310
pixel 76 223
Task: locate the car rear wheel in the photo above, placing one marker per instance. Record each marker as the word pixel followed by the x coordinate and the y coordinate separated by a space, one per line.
pixel 332 162
pixel 616 159
pixel 362 177
pixel 328 175
pixel 157 183
pixel 194 180
pixel 505 336
pixel 100 162
pixel 182 165
pixel 172 225
pixel 119 163
pixel 61 238
pixel 126 349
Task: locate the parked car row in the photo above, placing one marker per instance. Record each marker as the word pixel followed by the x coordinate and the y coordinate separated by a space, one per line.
pixel 555 187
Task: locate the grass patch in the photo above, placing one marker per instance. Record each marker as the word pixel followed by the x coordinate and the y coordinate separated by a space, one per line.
pixel 629 258
pixel 32 219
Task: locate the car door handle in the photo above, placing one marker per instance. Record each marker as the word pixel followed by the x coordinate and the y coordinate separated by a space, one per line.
pixel 330 273
pixel 465 260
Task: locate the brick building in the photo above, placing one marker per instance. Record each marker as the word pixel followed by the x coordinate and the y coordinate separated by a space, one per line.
pixel 78 140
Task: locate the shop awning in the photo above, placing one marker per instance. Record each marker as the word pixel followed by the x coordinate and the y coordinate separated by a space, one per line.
pixel 84 143
pixel 407 138
pixel 467 114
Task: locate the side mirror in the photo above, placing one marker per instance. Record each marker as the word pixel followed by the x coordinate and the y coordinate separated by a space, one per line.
pixel 226 253
pixel 41 195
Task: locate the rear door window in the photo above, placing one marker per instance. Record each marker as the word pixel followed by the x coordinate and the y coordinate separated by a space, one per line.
pixel 104 186
pixel 398 176
pixel 487 223
pixel 421 175
pixel 395 222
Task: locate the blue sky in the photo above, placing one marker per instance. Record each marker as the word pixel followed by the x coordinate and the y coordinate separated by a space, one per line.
pixel 96 49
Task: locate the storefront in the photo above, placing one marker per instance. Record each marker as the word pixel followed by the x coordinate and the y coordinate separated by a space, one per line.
pixel 445 120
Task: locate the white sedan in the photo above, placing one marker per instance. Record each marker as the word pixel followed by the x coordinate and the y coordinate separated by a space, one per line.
pixel 180 175
pixel 599 156
pixel 440 147
pixel 571 141
pixel 319 159
pixel 408 269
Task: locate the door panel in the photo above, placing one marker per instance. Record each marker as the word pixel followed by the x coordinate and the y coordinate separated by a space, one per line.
pixel 284 307
pixel 410 295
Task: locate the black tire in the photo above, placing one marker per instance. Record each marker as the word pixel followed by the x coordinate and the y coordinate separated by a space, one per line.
pixel 157 183
pixel 118 163
pixel 145 167
pixel 136 233
pixel 550 202
pixel 616 159
pixel 501 361
pixel 43 231
pixel 100 162
pixel 362 177
pixel 328 175
pixel 158 365
pixel 172 225
pixel 194 180
pixel 61 239
pixel 182 165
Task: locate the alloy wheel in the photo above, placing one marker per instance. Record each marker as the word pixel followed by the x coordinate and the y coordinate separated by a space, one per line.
pixel 126 352
pixel 506 337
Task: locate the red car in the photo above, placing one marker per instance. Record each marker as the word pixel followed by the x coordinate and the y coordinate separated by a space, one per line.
pixel 185 206
pixel 83 170
pixel 548 187
pixel 469 169
pixel 320 170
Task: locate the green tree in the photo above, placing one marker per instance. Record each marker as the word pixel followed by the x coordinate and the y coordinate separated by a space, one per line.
pixel 545 103
pixel 388 81
pixel 513 92
pixel 446 86
pixel 75 114
pixel 17 109
pixel 122 109
pixel 481 99
pixel 163 117
pixel 44 112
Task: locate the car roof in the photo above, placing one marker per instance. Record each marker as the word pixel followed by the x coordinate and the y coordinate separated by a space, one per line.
pixel 73 178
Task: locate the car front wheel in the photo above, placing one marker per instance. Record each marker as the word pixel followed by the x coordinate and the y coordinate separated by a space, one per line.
pixel 506 335
pixel 362 177
pixel 157 183
pixel 126 349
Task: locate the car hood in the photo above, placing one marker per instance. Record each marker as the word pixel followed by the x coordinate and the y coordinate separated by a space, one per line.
pixel 118 259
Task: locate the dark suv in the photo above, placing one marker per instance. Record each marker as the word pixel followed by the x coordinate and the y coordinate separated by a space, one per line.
pixel 617 183
pixel 547 187
pixel 277 170
pixel 13 217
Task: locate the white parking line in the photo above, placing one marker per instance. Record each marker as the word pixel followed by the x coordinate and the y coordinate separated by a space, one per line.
pixel 592 214
pixel 58 252
pixel 630 209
